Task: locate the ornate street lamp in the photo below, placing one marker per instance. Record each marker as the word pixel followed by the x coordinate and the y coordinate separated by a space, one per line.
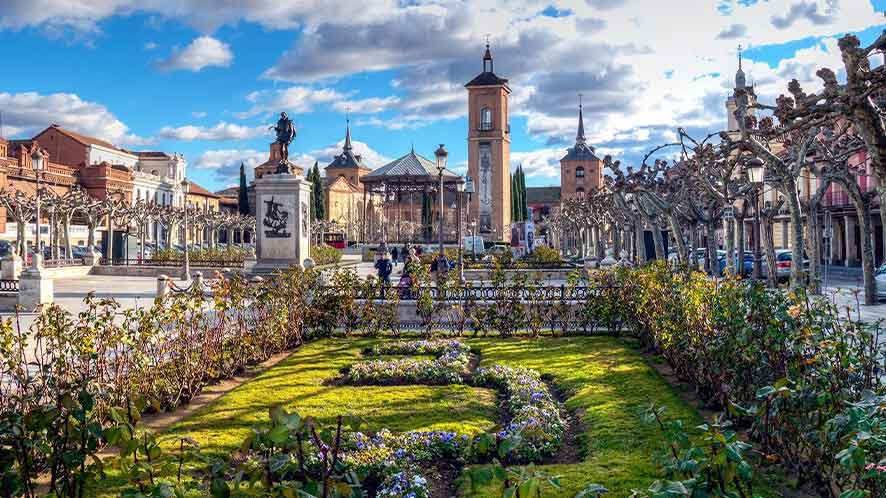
pixel 38 163
pixel 756 171
pixel 187 263
pixel 441 156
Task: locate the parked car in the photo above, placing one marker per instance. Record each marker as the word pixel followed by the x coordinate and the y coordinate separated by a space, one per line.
pixel 5 248
pixel 880 280
pixel 783 264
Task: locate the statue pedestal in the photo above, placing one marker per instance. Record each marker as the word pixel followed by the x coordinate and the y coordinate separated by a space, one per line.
pixel 282 202
pixel 35 288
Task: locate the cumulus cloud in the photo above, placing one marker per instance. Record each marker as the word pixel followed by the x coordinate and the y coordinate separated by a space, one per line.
pixel 732 32
pixel 371 105
pixel 324 155
pixel 202 52
pixel 225 163
pixel 294 99
pixel 221 131
pixel 813 11
pixel 28 113
pixel 540 163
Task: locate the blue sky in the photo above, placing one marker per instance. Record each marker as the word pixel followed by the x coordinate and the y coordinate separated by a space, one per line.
pixel 186 76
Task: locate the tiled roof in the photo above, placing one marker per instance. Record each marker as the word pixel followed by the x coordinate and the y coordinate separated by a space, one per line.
pixel 229 192
pixel 85 139
pixel 161 155
pixel 411 164
pixel 194 188
pixel 580 152
pixel 487 79
pixel 542 195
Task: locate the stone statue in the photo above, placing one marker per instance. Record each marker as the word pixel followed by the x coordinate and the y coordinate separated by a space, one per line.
pixel 285 135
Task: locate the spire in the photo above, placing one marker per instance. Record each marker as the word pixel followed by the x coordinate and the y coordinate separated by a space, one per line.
pixel 348 135
pixel 487 58
pixel 580 136
pixel 740 81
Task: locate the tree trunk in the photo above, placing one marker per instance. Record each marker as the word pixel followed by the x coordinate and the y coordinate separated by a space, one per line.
pixel 711 263
pixel 678 237
pixel 729 235
pixel 862 206
pixel 67 231
pixel 639 243
pixel 739 243
pixel 693 254
pixel 813 240
pixel 793 201
pixel 769 248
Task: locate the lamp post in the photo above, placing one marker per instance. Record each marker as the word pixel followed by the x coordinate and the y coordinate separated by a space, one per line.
pixel 441 156
pixel 755 176
pixel 37 162
pixel 187 263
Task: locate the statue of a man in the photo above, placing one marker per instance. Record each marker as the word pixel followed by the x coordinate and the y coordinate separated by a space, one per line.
pixel 285 135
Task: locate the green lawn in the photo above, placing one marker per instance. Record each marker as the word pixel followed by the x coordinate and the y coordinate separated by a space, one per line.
pixel 606 383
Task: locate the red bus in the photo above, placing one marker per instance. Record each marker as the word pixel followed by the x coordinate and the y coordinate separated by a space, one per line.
pixel 333 239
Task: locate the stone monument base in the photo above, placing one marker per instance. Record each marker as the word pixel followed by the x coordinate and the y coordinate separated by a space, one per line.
pixel 283 222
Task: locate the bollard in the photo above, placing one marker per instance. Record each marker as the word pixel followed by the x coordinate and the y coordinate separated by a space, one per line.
pixel 198 280
pixel 162 285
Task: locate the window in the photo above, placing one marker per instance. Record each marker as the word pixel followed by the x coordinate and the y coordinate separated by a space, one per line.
pixel 580 190
pixel 485 119
pixel 579 172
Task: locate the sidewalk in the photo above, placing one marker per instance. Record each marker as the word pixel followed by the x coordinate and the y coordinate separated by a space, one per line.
pixel 850 302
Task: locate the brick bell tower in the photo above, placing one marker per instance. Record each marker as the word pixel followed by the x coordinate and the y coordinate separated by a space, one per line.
pixel 489 152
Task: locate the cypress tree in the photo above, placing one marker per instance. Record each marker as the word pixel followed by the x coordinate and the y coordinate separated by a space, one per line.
pixel 514 200
pixel 426 215
pixel 242 197
pixel 319 193
pixel 310 178
pixel 524 206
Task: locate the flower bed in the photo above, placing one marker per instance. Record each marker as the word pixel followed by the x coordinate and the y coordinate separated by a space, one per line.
pixel 450 366
pixel 534 413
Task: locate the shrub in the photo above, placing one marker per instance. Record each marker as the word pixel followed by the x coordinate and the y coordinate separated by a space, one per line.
pixel 325 255
pixel 545 254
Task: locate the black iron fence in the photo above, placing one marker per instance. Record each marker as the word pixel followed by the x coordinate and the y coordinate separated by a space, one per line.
pixel 172 263
pixel 521 265
pixel 60 263
pixel 472 293
pixel 8 285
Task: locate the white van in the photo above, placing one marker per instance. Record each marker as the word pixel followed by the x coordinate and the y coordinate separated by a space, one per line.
pixel 473 246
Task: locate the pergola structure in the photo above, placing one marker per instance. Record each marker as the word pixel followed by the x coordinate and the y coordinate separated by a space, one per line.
pixel 409 174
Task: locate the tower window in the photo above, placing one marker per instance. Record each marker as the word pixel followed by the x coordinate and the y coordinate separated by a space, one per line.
pixel 579 172
pixel 580 190
pixel 485 119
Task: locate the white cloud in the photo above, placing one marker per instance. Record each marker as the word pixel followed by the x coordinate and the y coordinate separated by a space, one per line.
pixel 367 106
pixel 225 163
pixel 198 114
pixel 27 113
pixel 202 52
pixel 324 156
pixel 293 100
pixel 221 131
pixel 540 163
pixel 150 45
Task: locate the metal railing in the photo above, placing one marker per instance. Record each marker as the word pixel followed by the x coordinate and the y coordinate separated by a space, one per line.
pixel 8 285
pixel 478 293
pixel 60 263
pixel 521 265
pixel 172 263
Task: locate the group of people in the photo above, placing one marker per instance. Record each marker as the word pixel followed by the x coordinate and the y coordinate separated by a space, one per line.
pixel 411 258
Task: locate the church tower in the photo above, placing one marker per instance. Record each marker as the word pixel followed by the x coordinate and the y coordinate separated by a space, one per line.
pixel 581 171
pixel 732 105
pixel 489 152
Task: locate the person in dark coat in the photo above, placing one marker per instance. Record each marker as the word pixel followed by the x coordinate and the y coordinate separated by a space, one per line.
pixel 394 255
pixel 384 267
